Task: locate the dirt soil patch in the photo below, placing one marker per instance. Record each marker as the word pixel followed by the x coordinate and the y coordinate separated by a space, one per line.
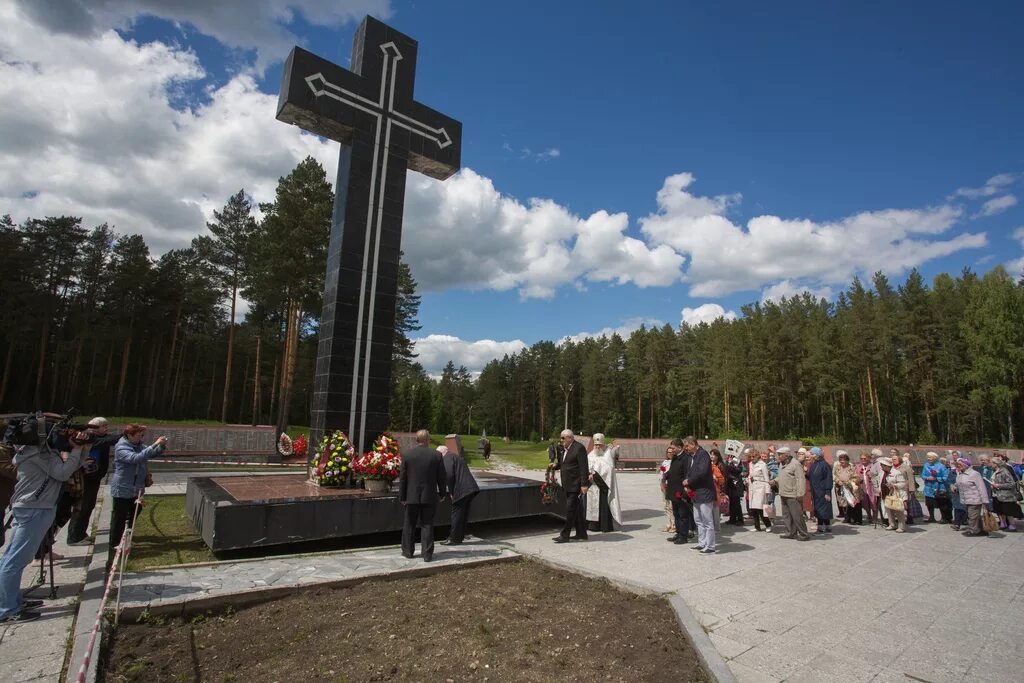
pixel 512 621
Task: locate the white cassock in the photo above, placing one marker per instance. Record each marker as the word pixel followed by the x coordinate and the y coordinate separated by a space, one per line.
pixel 604 465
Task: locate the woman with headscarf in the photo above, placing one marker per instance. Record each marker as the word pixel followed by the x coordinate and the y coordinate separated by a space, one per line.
pixel 805 460
pixel 936 492
pixel 773 473
pixel 985 469
pixel 914 510
pixel 670 526
pixel 868 491
pixel 602 497
pixel 973 495
pixel 843 472
pixel 1005 493
pixel 819 476
pixel 760 490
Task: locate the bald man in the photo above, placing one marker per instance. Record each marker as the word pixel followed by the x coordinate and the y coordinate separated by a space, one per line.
pixel 422 485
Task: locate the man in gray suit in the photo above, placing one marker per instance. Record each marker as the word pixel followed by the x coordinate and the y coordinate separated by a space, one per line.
pixel 421 486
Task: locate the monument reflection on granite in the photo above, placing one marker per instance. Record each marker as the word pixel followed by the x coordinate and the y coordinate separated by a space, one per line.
pixel 383 132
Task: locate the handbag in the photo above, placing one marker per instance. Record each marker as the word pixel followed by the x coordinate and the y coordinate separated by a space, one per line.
pixel 989 522
pixel 894 502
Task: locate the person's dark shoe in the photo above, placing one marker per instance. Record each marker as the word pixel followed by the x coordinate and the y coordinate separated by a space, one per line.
pixel 708 551
pixel 696 547
pixel 88 540
pixel 955 527
pixel 428 559
pixel 581 538
pixel 785 536
pixel 803 538
pixel 21 617
pixel 560 539
pixel 680 541
pixel 31 604
pixel 673 539
pixel 408 557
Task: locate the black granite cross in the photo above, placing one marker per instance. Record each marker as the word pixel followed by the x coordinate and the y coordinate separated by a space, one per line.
pixel 383 131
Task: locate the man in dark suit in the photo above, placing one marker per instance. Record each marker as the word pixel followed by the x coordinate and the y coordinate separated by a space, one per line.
pixel 700 480
pixel 421 486
pixel 462 488
pixel 575 482
pixel 682 508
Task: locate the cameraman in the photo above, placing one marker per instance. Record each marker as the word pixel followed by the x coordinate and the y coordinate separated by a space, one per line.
pixel 41 477
pixel 94 471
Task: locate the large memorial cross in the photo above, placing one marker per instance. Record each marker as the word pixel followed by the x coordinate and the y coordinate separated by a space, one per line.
pixel 383 132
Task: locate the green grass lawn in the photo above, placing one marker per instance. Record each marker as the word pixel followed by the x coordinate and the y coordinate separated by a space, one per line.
pixel 164 535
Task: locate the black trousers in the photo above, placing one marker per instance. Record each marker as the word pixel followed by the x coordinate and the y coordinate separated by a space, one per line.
pixel 421 515
pixel 78 527
pixel 683 513
pixel 65 506
pixel 460 515
pixel 575 516
pixel 855 514
pixel 735 509
pixel 122 516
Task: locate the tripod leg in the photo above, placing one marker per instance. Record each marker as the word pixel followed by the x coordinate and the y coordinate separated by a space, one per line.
pixel 53 588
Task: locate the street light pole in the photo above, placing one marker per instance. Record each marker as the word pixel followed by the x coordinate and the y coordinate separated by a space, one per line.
pixel 567 392
pixel 469 424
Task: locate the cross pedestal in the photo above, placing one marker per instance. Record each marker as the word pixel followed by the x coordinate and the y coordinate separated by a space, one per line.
pixel 383 131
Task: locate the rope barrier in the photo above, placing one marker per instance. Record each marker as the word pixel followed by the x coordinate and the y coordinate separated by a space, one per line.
pixel 116 568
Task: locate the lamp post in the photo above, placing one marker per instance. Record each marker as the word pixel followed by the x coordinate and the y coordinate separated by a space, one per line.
pixel 567 392
pixel 469 422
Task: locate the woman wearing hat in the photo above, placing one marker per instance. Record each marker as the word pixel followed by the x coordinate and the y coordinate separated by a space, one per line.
pixel 973 495
pixel 1005 493
pixel 843 472
pixel 128 480
pixel 760 490
pixel 894 495
pixel 819 475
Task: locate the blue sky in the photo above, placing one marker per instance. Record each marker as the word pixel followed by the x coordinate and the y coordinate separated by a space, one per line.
pixel 865 136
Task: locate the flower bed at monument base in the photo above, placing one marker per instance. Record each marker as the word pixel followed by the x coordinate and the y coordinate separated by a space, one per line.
pixel 513 621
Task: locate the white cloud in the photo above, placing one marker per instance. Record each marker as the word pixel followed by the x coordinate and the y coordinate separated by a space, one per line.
pixel 787 289
pixel 255 24
pixel 705 313
pixel 435 350
pixel 527 153
pixel 464 233
pixel 624 330
pixel 726 258
pixel 994 185
pixel 997 205
pixel 1016 266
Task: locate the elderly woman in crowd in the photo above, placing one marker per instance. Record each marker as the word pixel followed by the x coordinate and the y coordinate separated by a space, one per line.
pixel 720 494
pixel 936 489
pixel 959 509
pixel 843 472
pixel 734 489
pixel 894 494
pixel 670 526
pixel 868 492
pixel 985 469
pixel 819 476
pixel 803 456
pixel 1005 493
pixel 973 495
pixel 760 490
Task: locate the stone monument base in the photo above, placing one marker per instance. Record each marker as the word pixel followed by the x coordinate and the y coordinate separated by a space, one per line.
pixel 246 511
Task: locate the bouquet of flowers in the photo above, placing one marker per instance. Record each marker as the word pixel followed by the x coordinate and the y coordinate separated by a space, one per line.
pixel 383 462
pixel 332 465
pixel 550 488
pixel 300 446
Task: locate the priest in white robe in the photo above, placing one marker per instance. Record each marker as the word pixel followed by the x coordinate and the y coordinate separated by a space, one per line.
pixel 603 510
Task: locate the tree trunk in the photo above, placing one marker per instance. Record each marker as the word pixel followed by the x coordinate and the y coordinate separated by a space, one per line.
pixel 639 402
pixel 43 338
pixel 192 383
pixel 256 383
pixel 288 368
pixel 213 385
pixel 273 389
pixel 176 384
pixel 55 376
pixel 126 355
pixel 245 383
pixel 171 370
pixel 110 367
pixel 7 371
pixel 231 347
pixel 76 364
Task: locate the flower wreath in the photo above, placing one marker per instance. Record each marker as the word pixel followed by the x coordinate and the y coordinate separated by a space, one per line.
pixel 332 464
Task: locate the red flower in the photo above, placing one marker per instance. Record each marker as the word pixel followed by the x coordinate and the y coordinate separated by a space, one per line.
pixel 679 495
pixel 691 494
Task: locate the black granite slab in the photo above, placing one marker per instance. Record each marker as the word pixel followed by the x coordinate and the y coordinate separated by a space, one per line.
pixel 245 511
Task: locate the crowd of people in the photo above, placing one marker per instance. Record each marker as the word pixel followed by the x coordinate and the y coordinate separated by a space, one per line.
pixel 804 487
pixel 785 490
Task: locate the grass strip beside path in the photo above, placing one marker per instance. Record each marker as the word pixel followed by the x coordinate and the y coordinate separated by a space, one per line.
pixel 164 535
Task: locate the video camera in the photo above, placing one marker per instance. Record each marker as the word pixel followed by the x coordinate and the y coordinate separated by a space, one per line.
pixel 56 431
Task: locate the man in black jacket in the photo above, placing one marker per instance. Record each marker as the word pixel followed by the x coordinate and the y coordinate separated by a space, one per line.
pixel 575 482
pixel 92 475
pixel 421 486
pixel 700 480
pixel 682 508
pixel 462 488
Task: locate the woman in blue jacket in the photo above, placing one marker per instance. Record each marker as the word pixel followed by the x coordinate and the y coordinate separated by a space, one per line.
pixel 128 480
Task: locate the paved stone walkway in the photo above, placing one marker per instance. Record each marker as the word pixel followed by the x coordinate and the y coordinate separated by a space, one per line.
pixel 860 605
pixel 161 587
pixel 36 651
